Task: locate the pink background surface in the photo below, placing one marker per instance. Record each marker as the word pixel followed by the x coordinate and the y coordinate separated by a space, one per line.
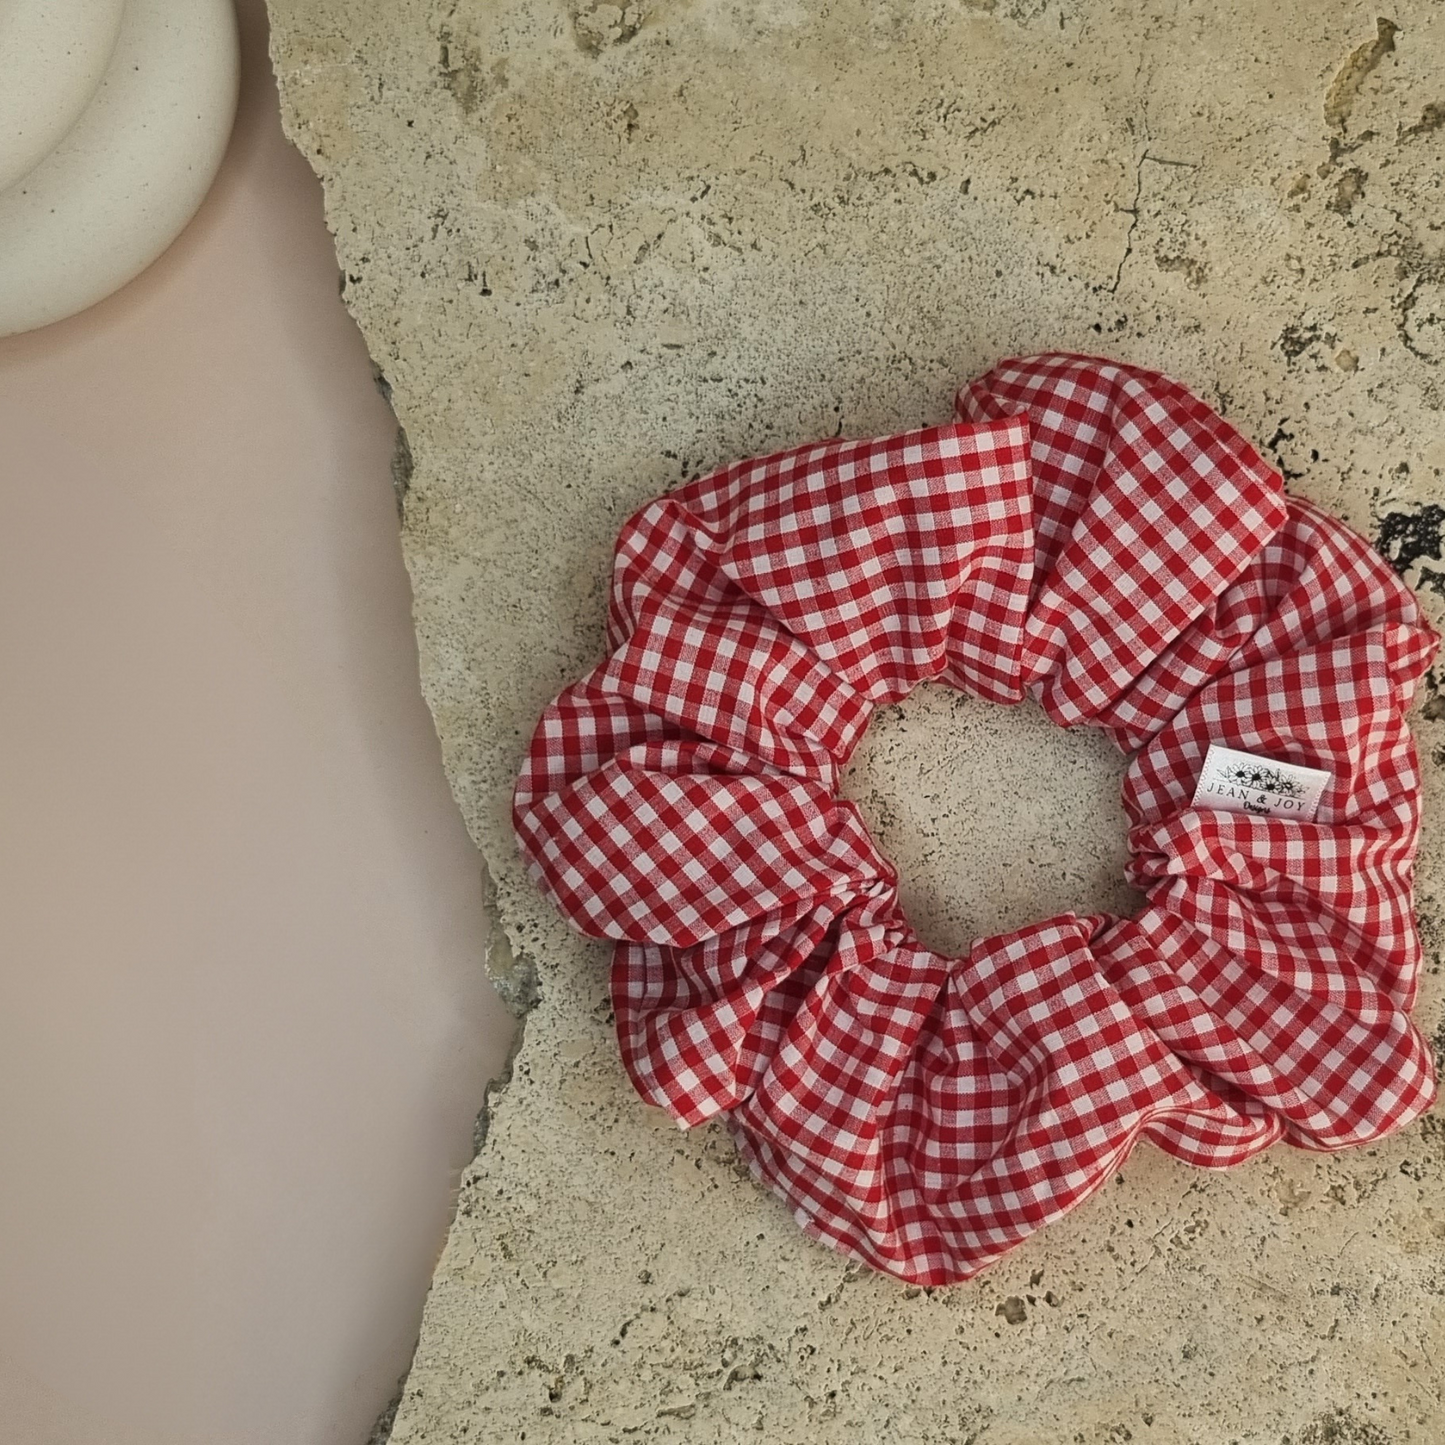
pixel 244 1027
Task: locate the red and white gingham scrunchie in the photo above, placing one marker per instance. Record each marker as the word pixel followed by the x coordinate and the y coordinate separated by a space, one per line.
pixel 1095 537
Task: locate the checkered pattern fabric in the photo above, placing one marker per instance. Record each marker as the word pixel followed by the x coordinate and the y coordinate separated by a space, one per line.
pixel 1089 535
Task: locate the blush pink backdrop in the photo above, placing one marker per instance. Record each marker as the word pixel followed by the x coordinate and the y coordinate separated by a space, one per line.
pixel 244 1027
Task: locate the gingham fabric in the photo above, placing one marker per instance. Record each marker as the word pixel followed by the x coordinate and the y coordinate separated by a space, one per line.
pixel 1089 535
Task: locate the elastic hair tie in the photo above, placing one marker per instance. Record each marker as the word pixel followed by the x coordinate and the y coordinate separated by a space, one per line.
pixel 1089 535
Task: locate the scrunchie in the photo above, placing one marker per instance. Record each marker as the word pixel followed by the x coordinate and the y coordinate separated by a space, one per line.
pixel 1087 534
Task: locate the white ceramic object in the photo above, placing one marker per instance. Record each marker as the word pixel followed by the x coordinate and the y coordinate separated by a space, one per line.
pixel 52 56
pixel 122 184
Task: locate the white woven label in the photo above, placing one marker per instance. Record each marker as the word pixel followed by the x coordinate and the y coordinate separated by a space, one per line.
pixel 1238 782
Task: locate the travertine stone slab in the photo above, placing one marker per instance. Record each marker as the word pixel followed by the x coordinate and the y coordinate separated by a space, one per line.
pixel 597 249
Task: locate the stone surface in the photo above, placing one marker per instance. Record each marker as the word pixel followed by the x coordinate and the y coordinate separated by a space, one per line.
pixel 599 248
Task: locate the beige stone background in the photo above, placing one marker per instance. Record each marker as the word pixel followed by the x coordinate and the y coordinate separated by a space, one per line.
pixel 597 250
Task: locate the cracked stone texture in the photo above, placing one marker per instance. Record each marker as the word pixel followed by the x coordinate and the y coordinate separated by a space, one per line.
pixel 596 249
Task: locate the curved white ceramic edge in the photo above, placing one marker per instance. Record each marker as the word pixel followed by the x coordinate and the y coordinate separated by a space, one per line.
pixel 53 54
pixel 134 168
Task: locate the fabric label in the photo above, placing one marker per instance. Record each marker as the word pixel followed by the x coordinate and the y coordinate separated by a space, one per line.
pixel 1236 782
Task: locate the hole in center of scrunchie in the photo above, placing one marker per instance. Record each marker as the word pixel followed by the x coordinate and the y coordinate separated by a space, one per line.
pixel 995 817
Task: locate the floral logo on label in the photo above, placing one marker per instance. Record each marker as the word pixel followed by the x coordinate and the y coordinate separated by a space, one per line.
pixel 1263 778
pixel 1239 782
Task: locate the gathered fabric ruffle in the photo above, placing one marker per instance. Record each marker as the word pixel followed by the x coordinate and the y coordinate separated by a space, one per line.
pixel 1089 535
